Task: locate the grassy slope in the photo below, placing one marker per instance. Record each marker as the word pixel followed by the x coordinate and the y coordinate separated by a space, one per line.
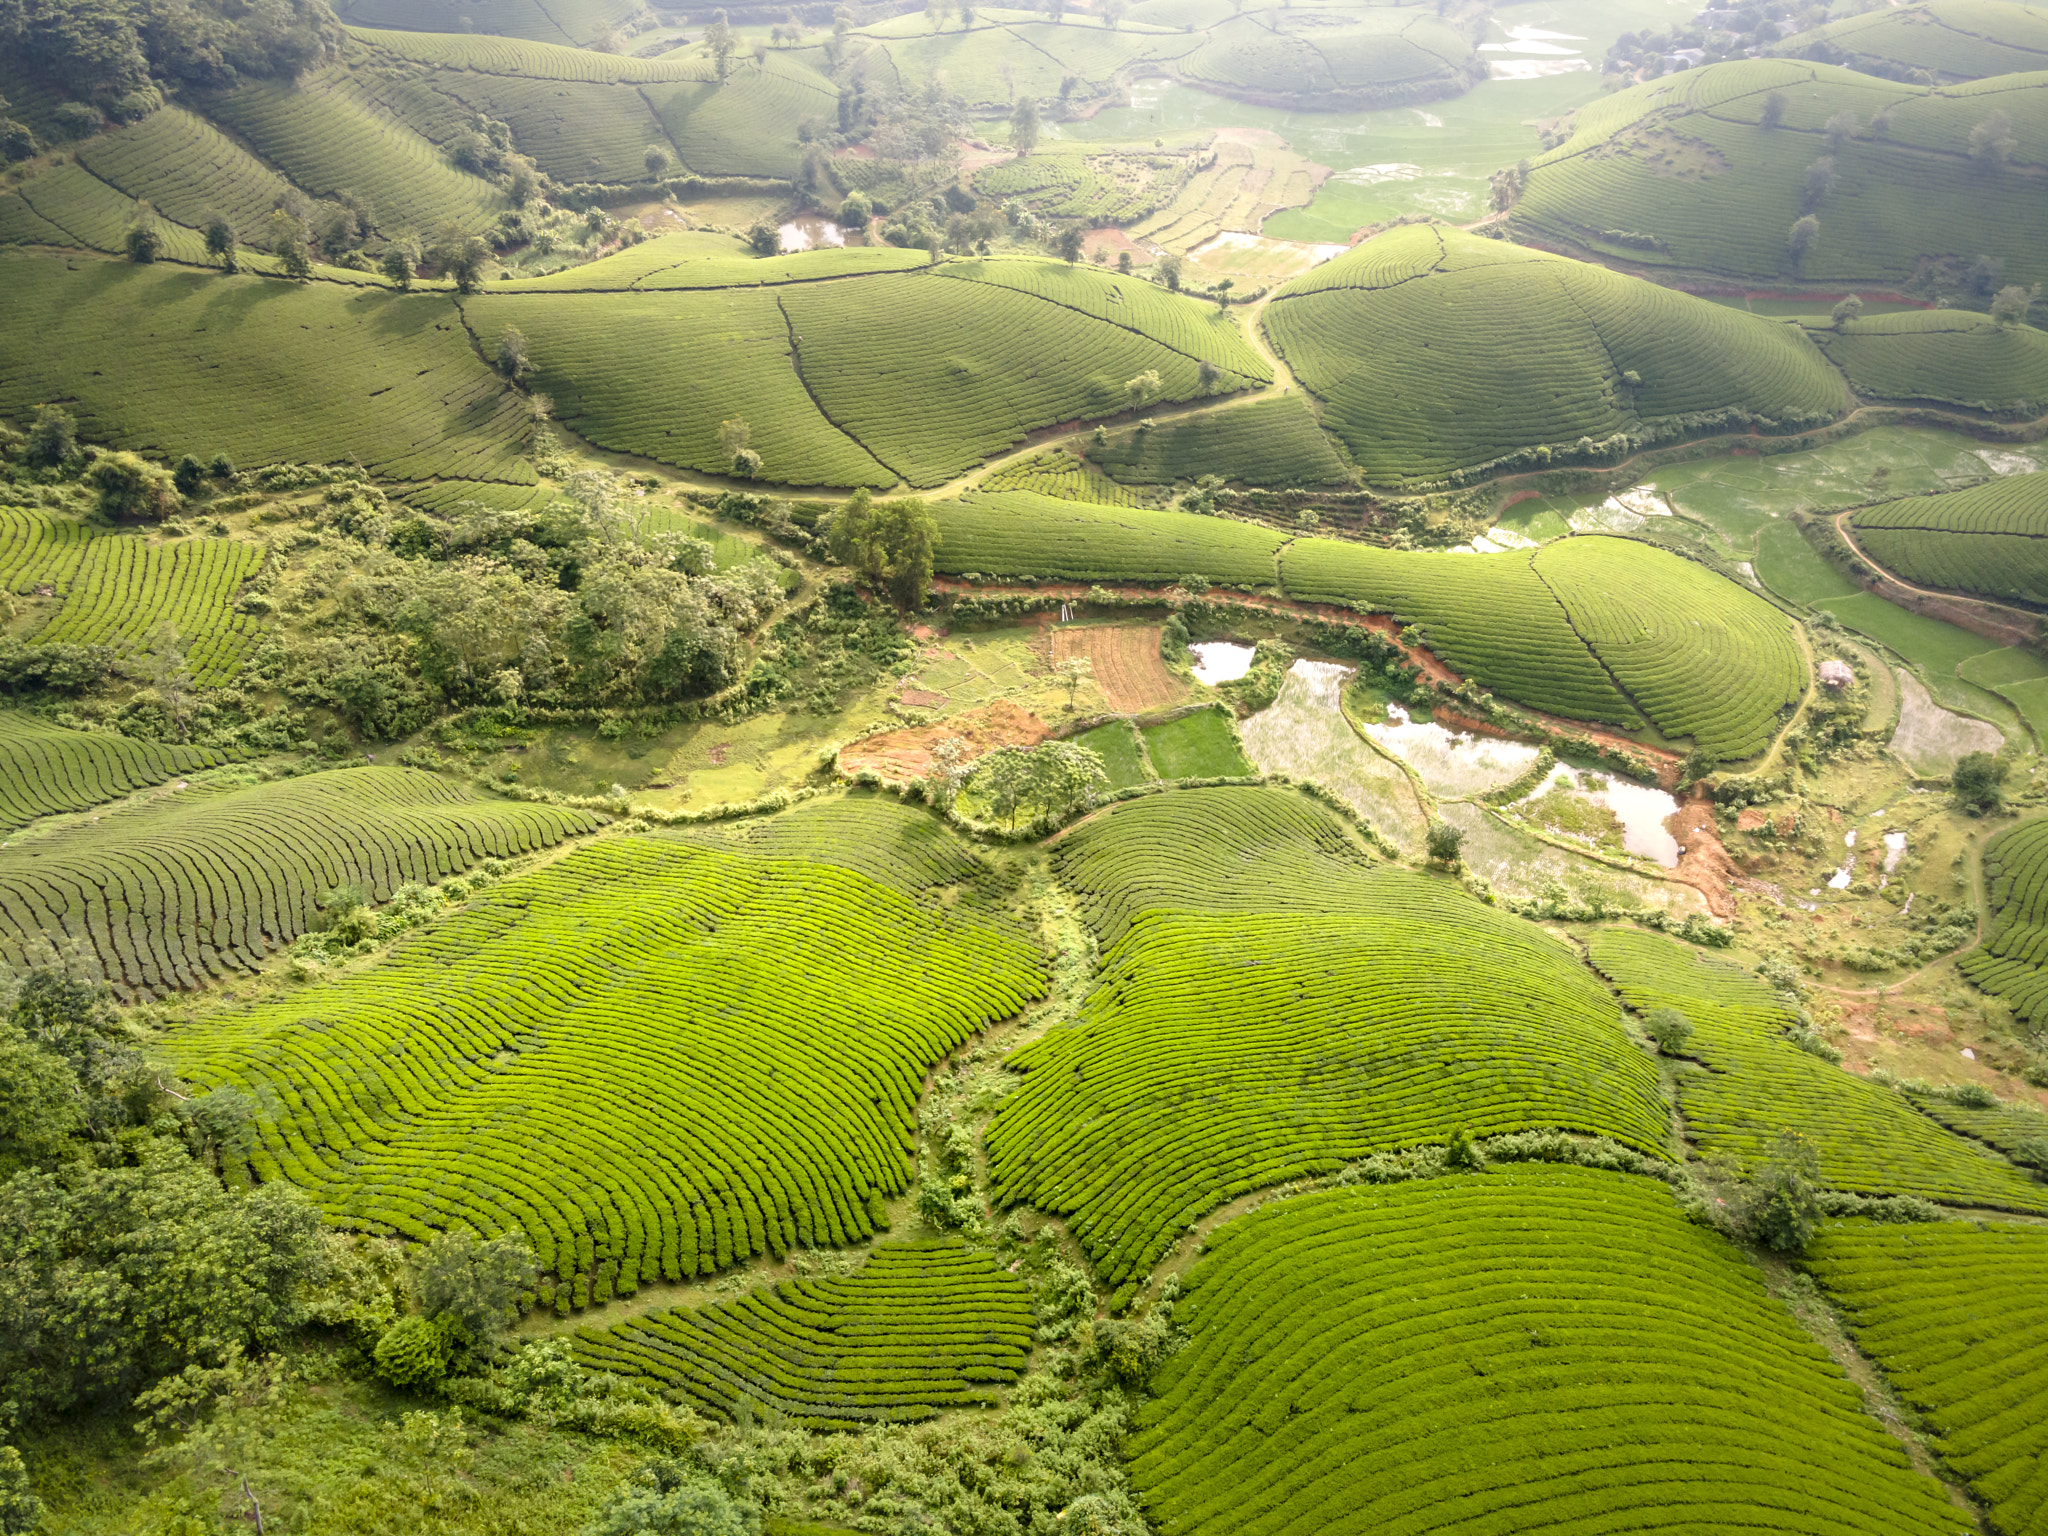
pixel 1954 39
pixel 1687 160
pixel 1438 353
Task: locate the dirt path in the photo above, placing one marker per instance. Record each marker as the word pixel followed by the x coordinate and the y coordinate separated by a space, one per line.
pixel 2017 622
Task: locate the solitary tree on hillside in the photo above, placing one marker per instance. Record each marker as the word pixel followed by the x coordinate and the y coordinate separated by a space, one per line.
pixel 1024 126
pixel 1774 109
pixel 1992 141
pixel 220 239
pixel 2012 302
pixel 1668 1029
pixel 1113 12
pixel 718 37
pixel 1223 292
pixel 1169 267
pixel 1845 310
pixel 1820 181
pixel 733 437
pixel 891 544
pixel 288 243
pixel 1143 387
pixel 145 242
pixel 1069 244
pixel 1444 842
pixel 513 359
pixel 1072 673
pixel 764 238
pixel 1056 9
pixel 1800 238
pixel 398 261
pixel 1840 130
pixel 657 162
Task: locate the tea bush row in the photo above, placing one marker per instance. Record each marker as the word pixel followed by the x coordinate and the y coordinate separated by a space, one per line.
pixel 916 1330
pixel 1949 357
pixel 2009 963
pixel 45 769
pixel 204 883
pixel 1991 538
pixel 1023 532
pixel 1533 1348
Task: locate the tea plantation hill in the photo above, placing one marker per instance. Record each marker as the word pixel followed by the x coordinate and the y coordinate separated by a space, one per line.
pixel 577 23
pixel 1440 356
pixel 1950 40
pixel 1690 175
pixel 1990 540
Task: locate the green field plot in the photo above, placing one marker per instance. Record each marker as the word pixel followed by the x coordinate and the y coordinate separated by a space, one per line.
pixel 38 549
pixel 1012 533
pixel 1438 353
pixel 655 1059
pixel 628 372
pixel 2020 1131
pixel 572 22
pixel 748 125
pixel 328 136
pixel 1538 1349
pixel 1040 56
pixel 1275 442
pixel 1096 183
pixel 2009 962
pixel 1683 173
pixel 187 167
pixel 46 769
pixel 182 362
pixel 68 205
pixel 1957 39
pixel 206 882
pixel 1271 1006
pixel 1199 745
pixel 1956 1313
pixel 1701 656
pixel 873 834
pixel 1758 1084
pixel 1991 539
pixel 1946 356
pixel 1059 474
pixel 1371 58
pixel 917 1329
pixel 1123 753
pixel 932 374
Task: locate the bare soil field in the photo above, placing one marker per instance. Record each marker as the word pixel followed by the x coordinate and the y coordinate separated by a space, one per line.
pixel 1128 669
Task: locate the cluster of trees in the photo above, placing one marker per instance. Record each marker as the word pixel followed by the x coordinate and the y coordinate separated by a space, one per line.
pixel 121 54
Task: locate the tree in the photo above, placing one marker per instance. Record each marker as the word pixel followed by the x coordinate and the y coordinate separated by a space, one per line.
pixel 1847 308
pixel 144 241
pixel 1840 130
pixel 460 256
pixel 657 162
pixel 856 211
pixel 113 1278
pixel 1113 12
pixel 473 1284
pixel 1169 266
pixel 20 1510
pixel 1072 673
pixel 1992 141
pixel 1444 842
pixel 412 1352
pixel 2011 305
pixel 764 238
pixel 733 436
pixel 400 257
pixel 514 361
pixel 719 39
pixel 1668 1029
pixel 1782 1208
pixel 52 438
pixel 1978 782
pixel 1056 9
pixel 670 1499
pixel 1774 109
pixel 130 486
pixel 1820 181
pixel 188 475
pixel 40 1114
pixel 1223 292
pixel 1055 776
pixel 1143 387
pixel 1801 237
pixel 1069 243
pixel 891 544
pixel 1024 126
pixel 220 239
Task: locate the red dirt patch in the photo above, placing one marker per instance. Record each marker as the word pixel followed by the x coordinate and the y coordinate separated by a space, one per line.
pixel 907 754
pixel 1128 669
pixel 1702 862
pixel 921 698
pixel 1116 240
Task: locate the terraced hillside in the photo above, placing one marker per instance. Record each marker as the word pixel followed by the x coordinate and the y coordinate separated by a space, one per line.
pixel 177 362
pixel 577 23
pixel 2010 961
pixel 1548 1349
pixel 654 1059
pixel 1269 1006
pixel 1685 173
pixel 1758 1084
pixel 185 888
pixel 1990 539
pixel 1954 1312
pixel 1950 39
pixel 1438 355
pixel 1947 357
pixel 1373 58
pixel 917 1329
pixel 46 769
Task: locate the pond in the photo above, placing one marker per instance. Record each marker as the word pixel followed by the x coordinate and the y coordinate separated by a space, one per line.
pixel 1521 866
pixel 1453 762
pixel 1635 811
pixel 1221 661
pixel 1304 735
pixel 811 233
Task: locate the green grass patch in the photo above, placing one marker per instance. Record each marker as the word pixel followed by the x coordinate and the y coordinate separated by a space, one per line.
pixel 1123 753
pixel 1200 745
